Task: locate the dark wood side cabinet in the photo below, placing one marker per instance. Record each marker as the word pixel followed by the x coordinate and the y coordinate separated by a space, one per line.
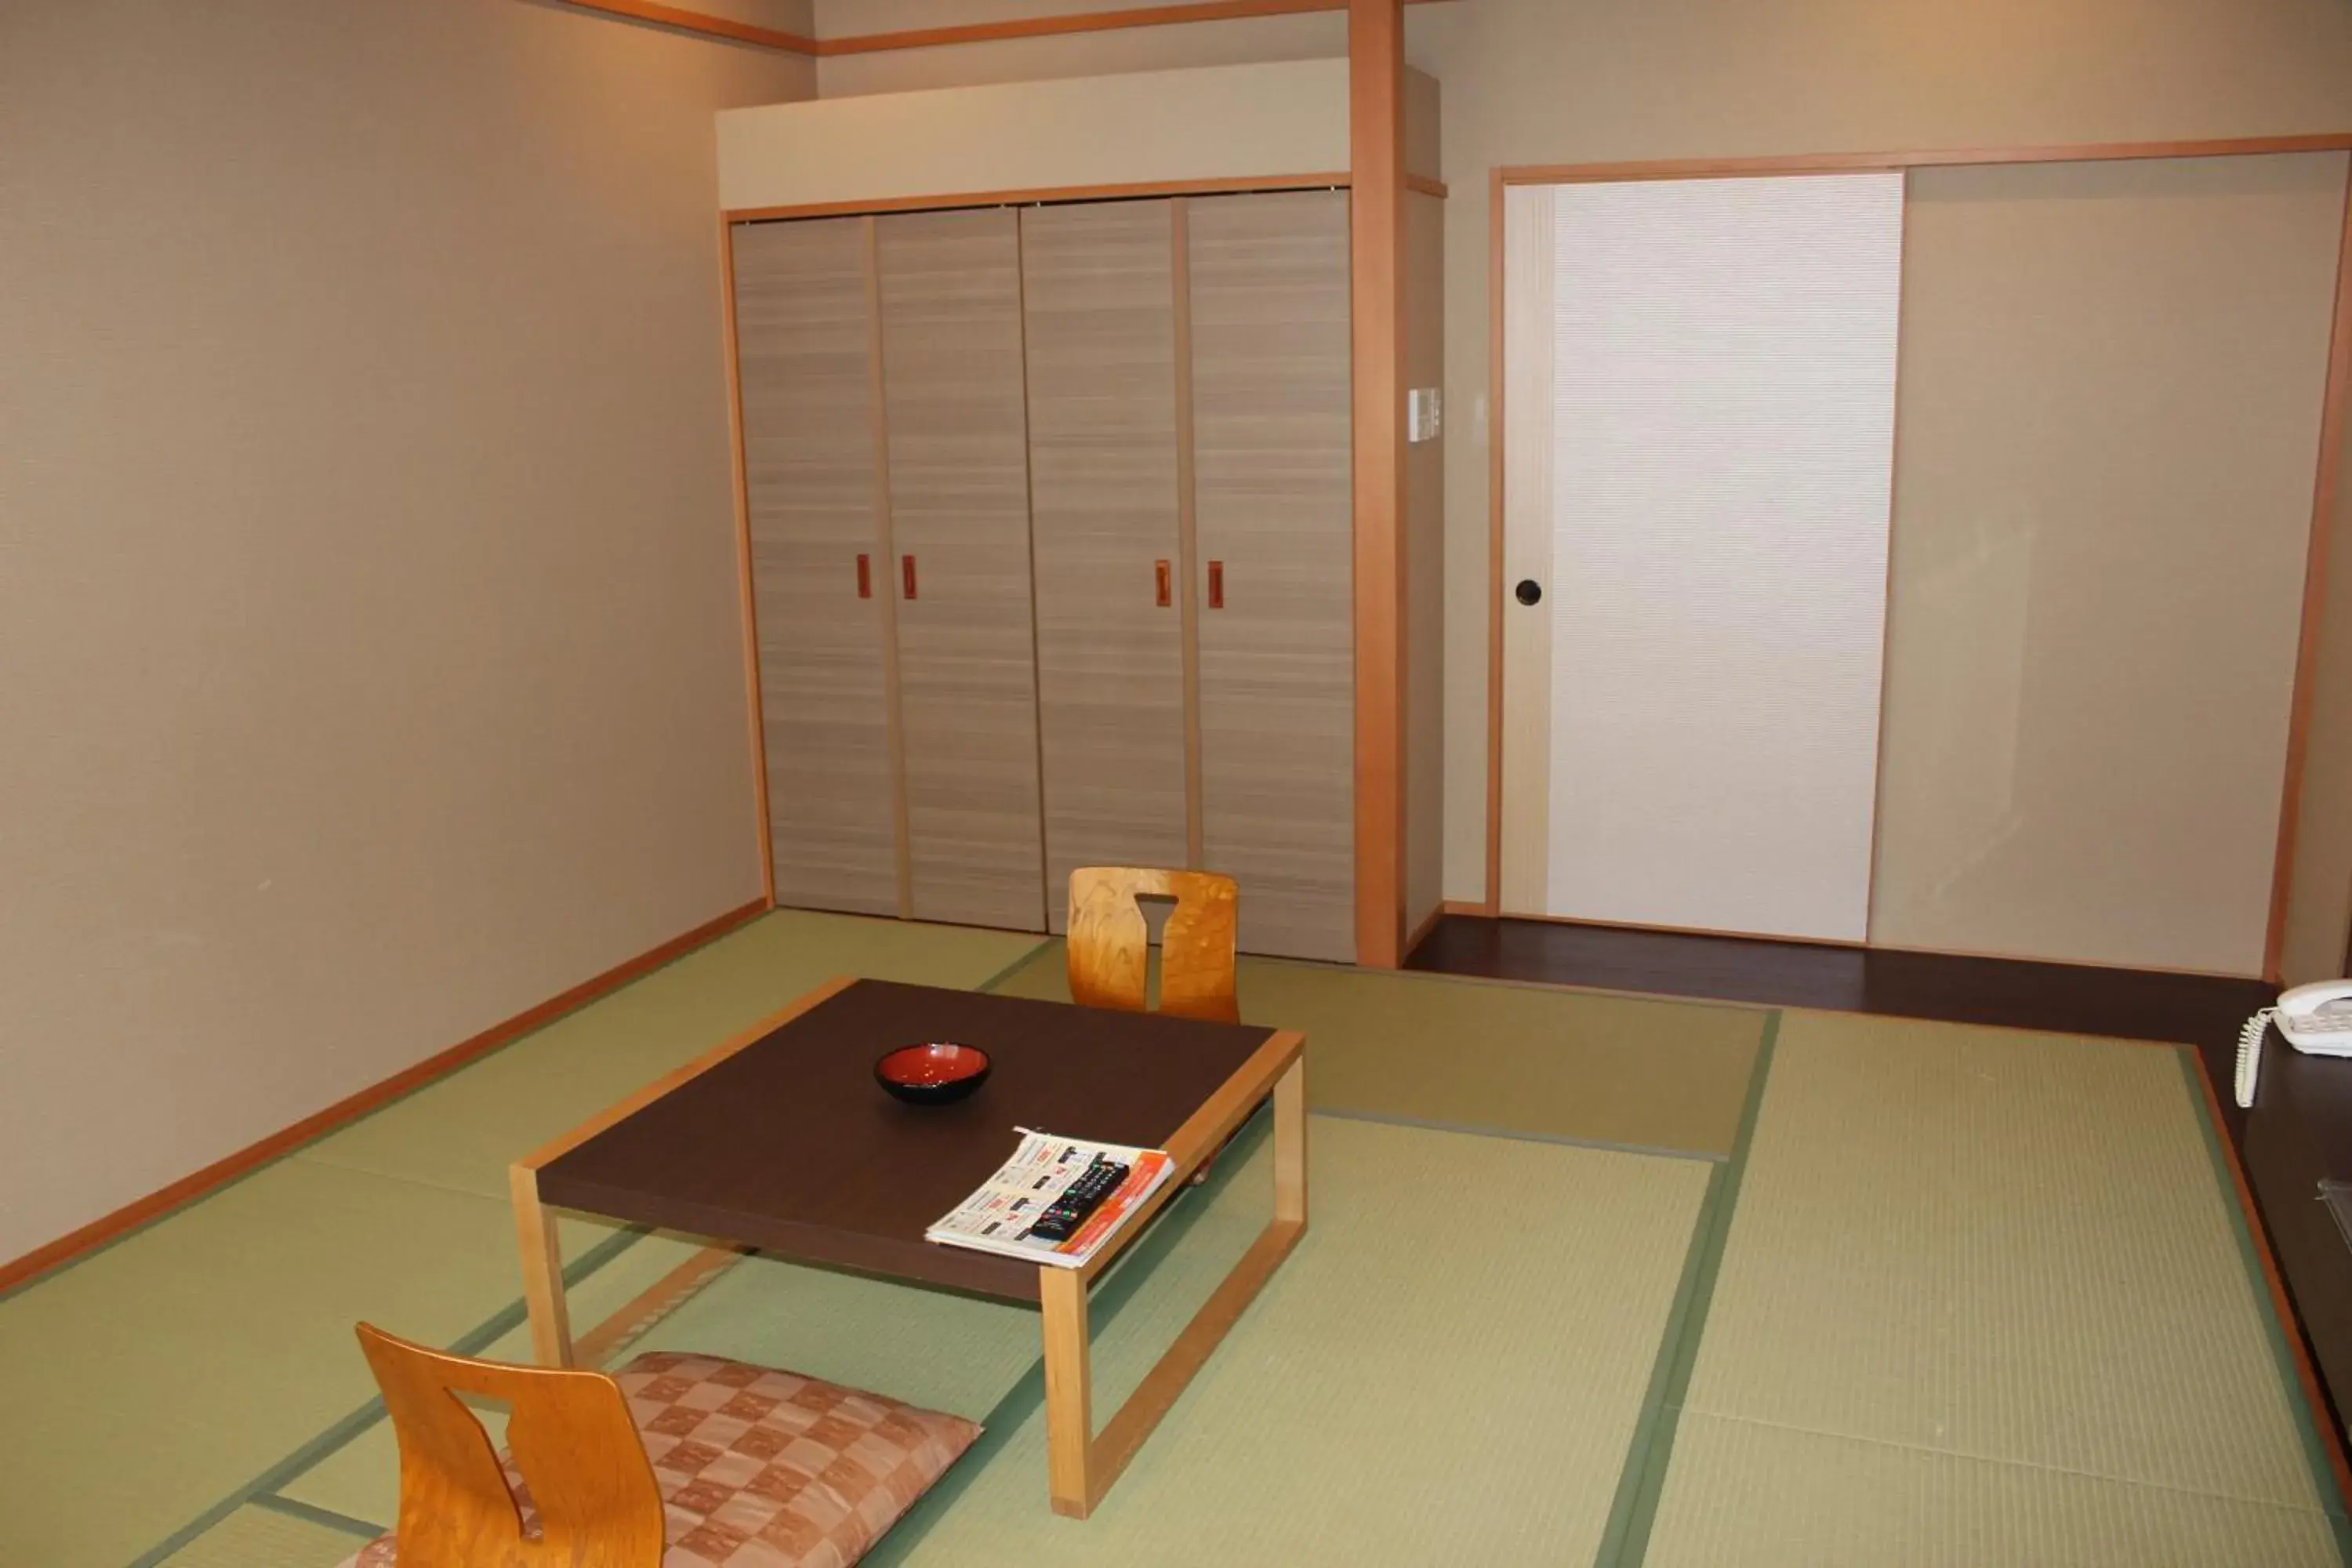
pixel 2298 1157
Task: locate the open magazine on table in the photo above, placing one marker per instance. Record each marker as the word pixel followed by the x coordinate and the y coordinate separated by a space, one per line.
pixel 1057 1201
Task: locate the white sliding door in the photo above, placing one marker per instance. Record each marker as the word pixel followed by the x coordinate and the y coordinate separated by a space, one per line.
pixel 1700 397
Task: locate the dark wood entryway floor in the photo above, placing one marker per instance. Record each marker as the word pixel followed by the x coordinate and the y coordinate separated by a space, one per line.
pixel 2069 998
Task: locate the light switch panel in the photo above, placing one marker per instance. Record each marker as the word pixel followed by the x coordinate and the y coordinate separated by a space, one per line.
pixel 1424 414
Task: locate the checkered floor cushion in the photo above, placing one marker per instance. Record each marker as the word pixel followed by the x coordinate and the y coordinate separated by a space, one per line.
pixel 760 1468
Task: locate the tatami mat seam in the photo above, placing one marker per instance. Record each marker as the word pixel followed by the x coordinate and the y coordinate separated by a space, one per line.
pixel 1625 1541
pixel 1550 1039
pixel 1017 965
pixel 1493 982
pixel 1714 1004
pixel 2073 1471
pixel 295 1507
pixel 311 1157
pixel 1478 1130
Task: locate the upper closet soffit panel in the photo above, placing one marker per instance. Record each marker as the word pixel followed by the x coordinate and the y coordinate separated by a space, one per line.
pixel 1273 120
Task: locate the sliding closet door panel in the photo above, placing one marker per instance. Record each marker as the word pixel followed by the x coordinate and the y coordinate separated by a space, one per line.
pixel 958 463
pixel 1723 421
pixel 1270 400
pixel 1099 296
pixel 2112 376
pixel 810 480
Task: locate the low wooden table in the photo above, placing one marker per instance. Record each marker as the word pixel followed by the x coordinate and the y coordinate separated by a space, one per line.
pixel 781 1140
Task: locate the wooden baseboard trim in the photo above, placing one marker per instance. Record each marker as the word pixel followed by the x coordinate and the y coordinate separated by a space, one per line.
pixel 77 1244
pixel 1376 265
pixel 1479 907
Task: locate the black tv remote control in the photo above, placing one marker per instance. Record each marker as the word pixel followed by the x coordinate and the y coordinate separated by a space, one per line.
pixel 1079 1199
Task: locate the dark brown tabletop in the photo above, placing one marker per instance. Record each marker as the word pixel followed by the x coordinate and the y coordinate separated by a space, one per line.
pixel 790 1146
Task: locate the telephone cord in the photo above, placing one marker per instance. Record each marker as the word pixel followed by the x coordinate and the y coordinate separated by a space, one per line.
pixel 2250 1054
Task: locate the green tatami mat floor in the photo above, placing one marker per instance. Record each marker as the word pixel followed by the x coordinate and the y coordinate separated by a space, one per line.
pixel 1889 1293
pixel 1351 1389
pixel 1532 1060
pixel 1985 1299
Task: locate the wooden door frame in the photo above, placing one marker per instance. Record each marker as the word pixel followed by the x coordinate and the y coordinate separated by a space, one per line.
pixel 2332 408
pixel 1376 265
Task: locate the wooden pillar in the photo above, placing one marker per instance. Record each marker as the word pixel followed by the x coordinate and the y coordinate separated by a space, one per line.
pixel 1376 268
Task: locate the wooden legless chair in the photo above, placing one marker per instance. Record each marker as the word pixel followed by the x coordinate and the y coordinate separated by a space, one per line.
pixel 580 1469
pixel 1110 942
pixel 571 1436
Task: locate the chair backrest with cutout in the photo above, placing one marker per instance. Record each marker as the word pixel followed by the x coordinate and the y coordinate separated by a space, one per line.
pixel 571 1436
pixel 1110 942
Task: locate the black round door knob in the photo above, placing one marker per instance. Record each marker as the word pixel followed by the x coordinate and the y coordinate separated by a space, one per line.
pixel 1528 590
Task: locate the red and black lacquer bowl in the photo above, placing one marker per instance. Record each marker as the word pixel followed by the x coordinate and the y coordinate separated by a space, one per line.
pixel 939 1073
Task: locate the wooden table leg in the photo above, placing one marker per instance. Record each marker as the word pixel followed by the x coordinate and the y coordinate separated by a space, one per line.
pixel 1290 1144
pixel 1069 1395
pixel 543 1271
pixel 1081 1466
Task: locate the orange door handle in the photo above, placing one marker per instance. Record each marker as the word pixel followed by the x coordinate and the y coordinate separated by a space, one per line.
pixel 866 576
pixel 1216 584
pixel 1159 578
pixel 906 573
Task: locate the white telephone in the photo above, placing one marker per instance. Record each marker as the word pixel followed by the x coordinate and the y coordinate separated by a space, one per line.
pixel 2314 1018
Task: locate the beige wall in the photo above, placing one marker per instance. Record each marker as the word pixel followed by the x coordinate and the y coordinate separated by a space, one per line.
pixel 369 650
